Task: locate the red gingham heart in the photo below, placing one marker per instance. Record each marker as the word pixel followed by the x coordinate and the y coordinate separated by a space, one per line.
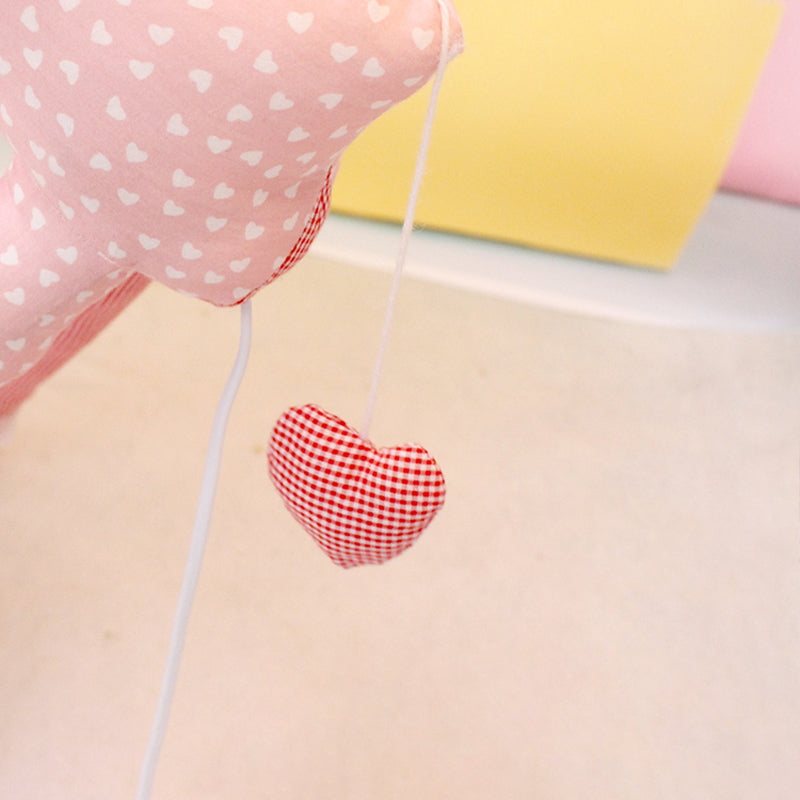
pixel 361 504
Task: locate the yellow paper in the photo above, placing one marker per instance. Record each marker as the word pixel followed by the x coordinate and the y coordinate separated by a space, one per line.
pixel 589 127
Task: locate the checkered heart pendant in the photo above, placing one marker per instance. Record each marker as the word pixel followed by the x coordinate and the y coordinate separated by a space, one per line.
pixel 361 504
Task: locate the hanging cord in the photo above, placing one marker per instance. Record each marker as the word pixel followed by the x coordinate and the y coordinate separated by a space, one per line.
pixel 195 559
pixel 408 222
pixel 214 455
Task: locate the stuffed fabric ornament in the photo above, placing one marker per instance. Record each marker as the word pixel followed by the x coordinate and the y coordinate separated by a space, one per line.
pixel 369 504
pixel 194 142
pixel 190 142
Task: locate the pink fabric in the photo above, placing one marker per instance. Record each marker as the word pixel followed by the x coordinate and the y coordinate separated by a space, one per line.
pixel 766 160
pixel 79 333
pixel 191 142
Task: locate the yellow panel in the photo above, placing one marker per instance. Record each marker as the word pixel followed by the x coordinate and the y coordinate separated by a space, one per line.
pixel 595 128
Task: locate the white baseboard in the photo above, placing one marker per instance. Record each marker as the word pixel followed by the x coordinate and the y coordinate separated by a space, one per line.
pixel 740 270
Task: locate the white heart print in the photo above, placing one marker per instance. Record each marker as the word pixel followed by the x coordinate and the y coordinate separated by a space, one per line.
pixel 194 152
pixel 300 22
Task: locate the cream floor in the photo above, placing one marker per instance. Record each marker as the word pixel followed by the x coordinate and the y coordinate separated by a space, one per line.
pixel 608 606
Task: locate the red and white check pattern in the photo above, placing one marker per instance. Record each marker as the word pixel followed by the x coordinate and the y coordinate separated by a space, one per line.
pixel 361 504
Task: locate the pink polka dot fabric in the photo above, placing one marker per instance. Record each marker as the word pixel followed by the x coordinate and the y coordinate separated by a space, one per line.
pixel 190 142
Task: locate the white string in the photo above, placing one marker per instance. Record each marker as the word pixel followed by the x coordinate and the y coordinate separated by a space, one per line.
pixel 408 222
pixel 194 562
pixel 214 455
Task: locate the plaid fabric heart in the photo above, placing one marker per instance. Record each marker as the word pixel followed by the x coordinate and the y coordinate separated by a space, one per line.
pixel 361 504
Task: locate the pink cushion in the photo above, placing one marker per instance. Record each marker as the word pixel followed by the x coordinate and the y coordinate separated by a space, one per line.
pixel 766 160
pixel 193 142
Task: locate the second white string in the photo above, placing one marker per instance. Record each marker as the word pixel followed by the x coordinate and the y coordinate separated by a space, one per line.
pixel 408 222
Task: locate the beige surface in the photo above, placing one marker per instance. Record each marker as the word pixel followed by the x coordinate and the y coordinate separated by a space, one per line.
pixel 608 606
